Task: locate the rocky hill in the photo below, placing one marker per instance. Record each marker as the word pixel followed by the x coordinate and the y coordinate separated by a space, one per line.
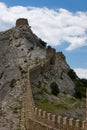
pixel 21 49
pixel 60 91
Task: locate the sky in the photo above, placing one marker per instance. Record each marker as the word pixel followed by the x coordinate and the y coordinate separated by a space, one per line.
pixel 61 23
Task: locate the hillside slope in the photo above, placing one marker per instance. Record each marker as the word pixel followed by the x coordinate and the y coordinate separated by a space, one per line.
pixel 61 99
pixel 21 49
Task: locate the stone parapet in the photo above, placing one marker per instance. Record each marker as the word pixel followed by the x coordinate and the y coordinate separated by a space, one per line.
pixel 50 121
pixel 59 122
pixel 42 120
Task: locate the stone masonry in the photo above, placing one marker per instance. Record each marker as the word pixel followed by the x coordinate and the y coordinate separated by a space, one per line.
pixel 37 119
pixel 21 22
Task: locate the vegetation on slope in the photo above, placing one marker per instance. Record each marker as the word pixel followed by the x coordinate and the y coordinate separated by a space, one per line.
pixel 54 88
pixel 80 85
pixel 49 97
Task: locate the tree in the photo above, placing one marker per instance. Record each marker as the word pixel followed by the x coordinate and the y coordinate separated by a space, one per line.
pixel 54 88
pixel 49 47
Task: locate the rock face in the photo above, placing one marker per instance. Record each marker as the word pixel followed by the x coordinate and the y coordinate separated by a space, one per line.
pixel 21 49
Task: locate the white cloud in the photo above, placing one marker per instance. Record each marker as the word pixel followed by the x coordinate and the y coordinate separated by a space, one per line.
pixel 53 26
pixel 82 73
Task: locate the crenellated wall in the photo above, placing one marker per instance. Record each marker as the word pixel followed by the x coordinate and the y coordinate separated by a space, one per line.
pixel 50 54
pixel 42 120
pixel 61 56
pixel 59 122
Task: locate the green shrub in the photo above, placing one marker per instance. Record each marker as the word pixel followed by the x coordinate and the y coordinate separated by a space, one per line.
pixel 54 88
pixel 43 90
pixel 36 60
pixel 84 81
pixel 32 48
pixel 45 101
pixel 22 71
pixel 72 74
pixel 80 85
pixel 61 77
pixel 20 68
pixel 25 61
pixel 49 47
pixel 78 118
pixel 42 43
pixel 12 83
pixel 45 76
pixel 80 88
pixel 22 49
pixel 1 75
pixel 80 92
pixel 62 106
pixel 16 109
pixel 18 129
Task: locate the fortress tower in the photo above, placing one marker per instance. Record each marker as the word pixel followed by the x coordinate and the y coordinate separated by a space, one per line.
pixel 50 53
pixel 21 22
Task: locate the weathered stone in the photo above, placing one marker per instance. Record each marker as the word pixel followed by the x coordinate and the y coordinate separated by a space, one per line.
pixel 21 51
pixel 21 22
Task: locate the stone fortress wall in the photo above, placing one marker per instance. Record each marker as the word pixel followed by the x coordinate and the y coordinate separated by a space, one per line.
pixel 39 69
pixel 42 68
pixel 42 120
pixel 37 119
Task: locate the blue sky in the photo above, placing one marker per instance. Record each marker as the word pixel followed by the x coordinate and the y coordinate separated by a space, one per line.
pixel 72 5
pixel 61 23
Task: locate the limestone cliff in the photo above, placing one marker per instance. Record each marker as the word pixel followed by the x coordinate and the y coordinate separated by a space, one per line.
pixel 21 49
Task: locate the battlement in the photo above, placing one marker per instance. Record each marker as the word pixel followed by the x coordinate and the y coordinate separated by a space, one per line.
pixel 50 54
pixel 21 22
pixel 59 122
pixel 40 119
pixel 44 120
pixel 60 55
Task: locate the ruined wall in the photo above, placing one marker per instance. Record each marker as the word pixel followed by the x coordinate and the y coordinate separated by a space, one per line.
pixel 46 66
pixel 35 72
pixel 42 120
pixel 61 56
pixel 21 22
pixel 50 54
pixel 39 69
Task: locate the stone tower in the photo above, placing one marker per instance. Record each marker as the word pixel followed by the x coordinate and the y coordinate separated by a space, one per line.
pixel 21 22
pixel 50 53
